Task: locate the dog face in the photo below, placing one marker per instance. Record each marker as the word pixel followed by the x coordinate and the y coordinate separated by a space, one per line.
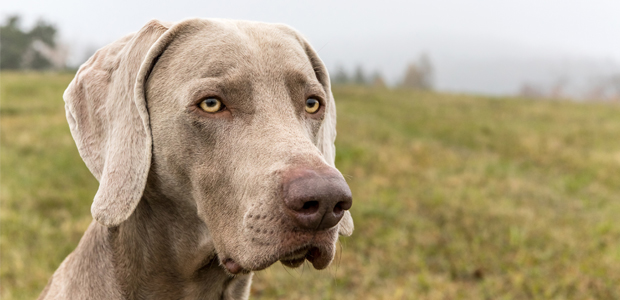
pixel 237 161
pixel 242 123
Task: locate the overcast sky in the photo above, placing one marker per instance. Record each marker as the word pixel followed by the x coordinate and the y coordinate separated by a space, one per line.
pixel 381 35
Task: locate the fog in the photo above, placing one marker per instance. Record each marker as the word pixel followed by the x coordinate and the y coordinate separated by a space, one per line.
pixel 484 46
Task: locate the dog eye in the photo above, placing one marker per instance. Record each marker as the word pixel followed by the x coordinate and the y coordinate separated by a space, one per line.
pixel 312 105
pixel 211 105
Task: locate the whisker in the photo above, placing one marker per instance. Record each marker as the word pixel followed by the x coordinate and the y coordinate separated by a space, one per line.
pixel 286 269
pixel 322 47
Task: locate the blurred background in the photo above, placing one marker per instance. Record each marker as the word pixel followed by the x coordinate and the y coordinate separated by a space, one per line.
pixel 532 48
pixel 480 140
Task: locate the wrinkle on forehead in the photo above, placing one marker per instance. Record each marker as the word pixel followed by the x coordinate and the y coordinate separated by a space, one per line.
pixel 253 63
pixel 255 48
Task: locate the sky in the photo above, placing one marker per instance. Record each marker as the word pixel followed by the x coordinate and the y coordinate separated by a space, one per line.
pixel 486 46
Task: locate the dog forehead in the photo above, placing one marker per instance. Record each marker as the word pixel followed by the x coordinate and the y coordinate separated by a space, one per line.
pixel 220 47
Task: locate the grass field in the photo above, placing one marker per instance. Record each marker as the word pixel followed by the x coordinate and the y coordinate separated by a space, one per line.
pixel 455 197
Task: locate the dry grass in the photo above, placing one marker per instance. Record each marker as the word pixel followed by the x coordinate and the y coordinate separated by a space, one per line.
pixel 455 197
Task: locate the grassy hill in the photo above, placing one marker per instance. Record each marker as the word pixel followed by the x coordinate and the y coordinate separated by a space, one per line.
pixel 455 197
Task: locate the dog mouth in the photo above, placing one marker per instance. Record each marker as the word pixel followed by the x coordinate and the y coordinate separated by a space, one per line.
pixel 318 249
pixel 313 254
pixel 318 256
pixel 296 258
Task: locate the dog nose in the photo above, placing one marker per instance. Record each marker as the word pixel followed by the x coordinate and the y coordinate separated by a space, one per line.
pixel 315 199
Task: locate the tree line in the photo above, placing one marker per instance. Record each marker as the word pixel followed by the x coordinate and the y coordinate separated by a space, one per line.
pixel 417 75
pixel 35 48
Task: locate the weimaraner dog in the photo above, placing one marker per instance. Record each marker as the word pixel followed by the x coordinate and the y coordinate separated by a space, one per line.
pixel 213 144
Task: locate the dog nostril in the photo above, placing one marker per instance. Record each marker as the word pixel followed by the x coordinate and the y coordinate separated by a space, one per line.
pixel 310 207
pixel 338 208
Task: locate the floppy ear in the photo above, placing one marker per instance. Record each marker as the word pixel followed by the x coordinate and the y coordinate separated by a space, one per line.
pixel 327 132
pixel 107 114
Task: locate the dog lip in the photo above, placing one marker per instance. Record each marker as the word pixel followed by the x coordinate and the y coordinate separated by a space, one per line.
pixel 313 254
pixel 294 248
pixel 318 258
pixel 296 258
pixel 296 254
pixel 232 266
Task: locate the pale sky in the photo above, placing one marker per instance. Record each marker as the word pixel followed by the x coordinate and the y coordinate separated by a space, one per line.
pixel 380 35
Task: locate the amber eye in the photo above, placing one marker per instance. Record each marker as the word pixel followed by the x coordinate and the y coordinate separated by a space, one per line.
pixel 211 105
pixel 312 105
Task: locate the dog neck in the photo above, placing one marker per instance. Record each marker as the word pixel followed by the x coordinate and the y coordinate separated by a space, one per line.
pixel 155 256
pixel 160 252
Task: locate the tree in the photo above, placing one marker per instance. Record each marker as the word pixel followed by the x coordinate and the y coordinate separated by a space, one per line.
pixel 16 45
pixel 340 75
pixel 419 75
pixel 44 32
pixel 377 80
pixel 13 44
pixel 615 85
pixel 530 91
pixel 359 77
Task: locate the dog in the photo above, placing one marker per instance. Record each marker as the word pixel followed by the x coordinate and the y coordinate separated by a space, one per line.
pixel 213 144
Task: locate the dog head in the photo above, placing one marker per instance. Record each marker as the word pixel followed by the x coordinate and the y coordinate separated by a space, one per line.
pixel 233 120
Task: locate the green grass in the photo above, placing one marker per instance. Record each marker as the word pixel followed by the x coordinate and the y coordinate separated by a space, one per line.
pixel 455 197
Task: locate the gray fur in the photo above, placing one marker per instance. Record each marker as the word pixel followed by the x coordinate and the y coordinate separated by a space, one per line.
pixel 183 192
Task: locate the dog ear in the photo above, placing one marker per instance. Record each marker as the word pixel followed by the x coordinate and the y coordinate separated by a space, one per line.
pixel 327 132
pixel 107 114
